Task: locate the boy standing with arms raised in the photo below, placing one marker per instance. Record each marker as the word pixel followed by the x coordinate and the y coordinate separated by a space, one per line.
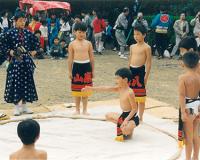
pixel 140 66
pixel 81 66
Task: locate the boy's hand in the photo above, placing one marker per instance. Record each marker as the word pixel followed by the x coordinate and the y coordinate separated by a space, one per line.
pixel 70 76
pixel 145 81
pixel 184 116
pixel 125 123
pixel 87 89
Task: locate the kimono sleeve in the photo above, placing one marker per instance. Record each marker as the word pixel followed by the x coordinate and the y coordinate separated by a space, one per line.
pixel 5 44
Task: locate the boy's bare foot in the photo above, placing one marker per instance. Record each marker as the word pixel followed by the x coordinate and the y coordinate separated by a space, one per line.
pixel 86 113
pixel 77 113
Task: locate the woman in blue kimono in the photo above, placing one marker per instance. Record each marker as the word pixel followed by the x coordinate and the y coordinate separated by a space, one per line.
pixel 19 44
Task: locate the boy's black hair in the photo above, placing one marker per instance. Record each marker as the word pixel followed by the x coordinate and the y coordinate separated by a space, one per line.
pixel 188 43
pixel 124 73
pixel 37 31
pixel 28 130
pixel 77 16
pixel 36 18
pixel 126 9
pixel 53 21
pixel 62 40
pixel 141 28
pixel 99 15
pixel 56 38
pixel 43 22
pixel 191 59
pixel 80 27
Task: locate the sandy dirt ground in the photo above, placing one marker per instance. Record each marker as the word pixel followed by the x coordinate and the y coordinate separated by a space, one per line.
pixel 53 85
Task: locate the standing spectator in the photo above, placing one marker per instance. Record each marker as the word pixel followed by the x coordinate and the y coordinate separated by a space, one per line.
pixel 88 21
pixel 140 20
pixel 5 22
pixel 64 30
pixel 181 29
pixel 161 23
pixel 55 20
pixel 44 31
pixel 196 23
pixel 98 27
pixel 77 19
pixel 121 25
pixel 107 34
pixel 34 25
pixel 52 32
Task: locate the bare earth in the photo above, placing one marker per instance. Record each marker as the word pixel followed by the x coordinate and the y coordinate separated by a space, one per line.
pixel 53 85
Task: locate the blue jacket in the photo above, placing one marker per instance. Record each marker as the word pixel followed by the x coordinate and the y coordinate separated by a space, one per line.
pixel 161 23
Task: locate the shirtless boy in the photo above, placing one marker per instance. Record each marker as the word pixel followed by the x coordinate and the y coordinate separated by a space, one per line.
pixel 140 66
pixel 28 131
pixel 128 120
pixel 80 66
pixel 189 100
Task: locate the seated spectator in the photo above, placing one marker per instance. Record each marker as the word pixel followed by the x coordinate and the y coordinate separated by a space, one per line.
pixel 56 49
pixel 40 52
pixel 64 47
pixel 28 131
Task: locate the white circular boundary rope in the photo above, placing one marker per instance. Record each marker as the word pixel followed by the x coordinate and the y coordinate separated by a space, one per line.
pixel 175 156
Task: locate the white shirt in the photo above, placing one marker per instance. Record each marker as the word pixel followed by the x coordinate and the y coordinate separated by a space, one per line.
pixel 5 22
pixel 44 31
pixel 65 27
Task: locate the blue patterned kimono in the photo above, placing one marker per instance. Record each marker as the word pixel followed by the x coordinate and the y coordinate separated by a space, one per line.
pixel 19 83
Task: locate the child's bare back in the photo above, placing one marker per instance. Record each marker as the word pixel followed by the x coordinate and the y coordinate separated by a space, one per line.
pixel 139 54
pixel 191 82
pixel 29 154
pixel 80 49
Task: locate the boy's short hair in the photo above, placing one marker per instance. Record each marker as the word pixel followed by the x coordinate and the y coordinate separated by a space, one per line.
pixel 37 31
pixel 62 40
pixel 77 16
pixel 36 18
pixel 56 38
pixel 43 22
pixel 188 43
pixel 141 28
pixel 28 130
pixel 125 9
pixel 80 27
pixel 191 59
pixel 124 73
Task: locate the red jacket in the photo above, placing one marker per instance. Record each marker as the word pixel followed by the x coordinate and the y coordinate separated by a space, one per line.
pixel 98 25
pixel 35 27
